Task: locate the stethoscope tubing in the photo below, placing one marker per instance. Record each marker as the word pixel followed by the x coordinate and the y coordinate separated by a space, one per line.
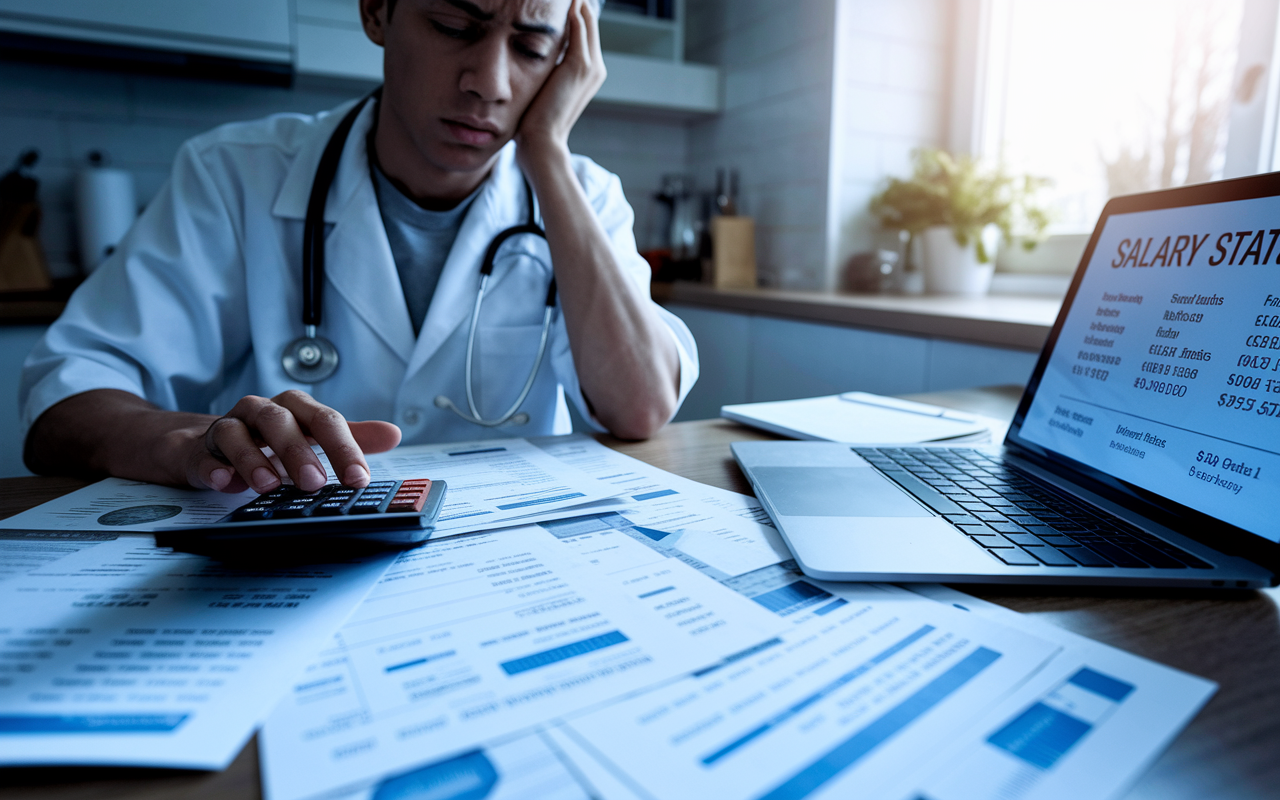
pixel 313 266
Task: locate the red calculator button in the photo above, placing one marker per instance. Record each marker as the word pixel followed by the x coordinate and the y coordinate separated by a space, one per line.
pixel 411 497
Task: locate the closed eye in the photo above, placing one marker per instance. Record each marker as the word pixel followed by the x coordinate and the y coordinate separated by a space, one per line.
pixel 529 52
pixel 469 33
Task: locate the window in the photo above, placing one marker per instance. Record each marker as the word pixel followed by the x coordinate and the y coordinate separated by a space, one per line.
pixel 1110 97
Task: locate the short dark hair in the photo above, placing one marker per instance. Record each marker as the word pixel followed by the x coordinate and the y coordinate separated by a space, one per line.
pixel 391 6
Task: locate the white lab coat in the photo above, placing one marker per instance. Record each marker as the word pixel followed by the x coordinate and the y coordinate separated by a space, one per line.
pixel 195 308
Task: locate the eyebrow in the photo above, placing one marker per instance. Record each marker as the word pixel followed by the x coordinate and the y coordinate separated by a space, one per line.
pixel 471 10
pixel 474 11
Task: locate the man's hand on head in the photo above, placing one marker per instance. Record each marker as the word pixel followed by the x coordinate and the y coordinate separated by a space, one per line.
pixel 547 122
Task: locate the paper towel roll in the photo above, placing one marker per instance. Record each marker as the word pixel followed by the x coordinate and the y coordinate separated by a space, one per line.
pixel 106 207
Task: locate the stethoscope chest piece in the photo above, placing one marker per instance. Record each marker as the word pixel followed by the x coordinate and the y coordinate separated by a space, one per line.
pixel 310 359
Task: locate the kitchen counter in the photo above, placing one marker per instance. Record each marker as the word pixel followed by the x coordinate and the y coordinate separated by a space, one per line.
pixel 1015 321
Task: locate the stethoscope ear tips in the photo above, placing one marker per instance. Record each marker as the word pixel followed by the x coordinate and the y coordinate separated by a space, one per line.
pixel 520 419
pixel 442 402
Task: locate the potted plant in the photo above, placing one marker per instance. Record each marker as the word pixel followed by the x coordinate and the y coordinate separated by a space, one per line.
pixel 959 208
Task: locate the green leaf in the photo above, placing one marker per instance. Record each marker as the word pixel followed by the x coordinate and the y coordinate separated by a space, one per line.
pixel 966 195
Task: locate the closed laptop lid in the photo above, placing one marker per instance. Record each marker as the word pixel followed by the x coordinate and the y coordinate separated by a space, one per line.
pixel 1159 385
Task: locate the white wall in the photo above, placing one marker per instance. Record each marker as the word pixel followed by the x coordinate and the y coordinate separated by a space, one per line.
pixel 822 100
pixel 776 57
pixel 893 67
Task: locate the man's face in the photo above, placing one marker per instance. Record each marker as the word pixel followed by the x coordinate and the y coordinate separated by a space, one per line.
pixel 459 74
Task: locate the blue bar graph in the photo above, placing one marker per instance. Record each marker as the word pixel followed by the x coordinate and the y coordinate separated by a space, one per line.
pixel 470 776
pixel 546 657
pixel 656 591
pixel 829 607
pixel 90 723
pixel 653 533
pixel 791 598
pixel 1102 685
pixel 541 501
pixel 478 452
pixel 851 750
pixel 825 691
pixel 1040 735
pixel 654 495
pixel 424 660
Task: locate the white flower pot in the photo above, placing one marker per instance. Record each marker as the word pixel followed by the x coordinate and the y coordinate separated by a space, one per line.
pixel 952 269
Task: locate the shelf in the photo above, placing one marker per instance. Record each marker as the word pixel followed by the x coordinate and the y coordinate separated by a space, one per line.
pixel 253 30
pixel 638 35
pixel 642 82
pixel 1004 321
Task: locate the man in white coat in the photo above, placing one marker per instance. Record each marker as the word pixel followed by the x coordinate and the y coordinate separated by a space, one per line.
pixel 167 364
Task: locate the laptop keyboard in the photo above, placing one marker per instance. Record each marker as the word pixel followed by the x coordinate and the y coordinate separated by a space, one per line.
pixel 1017 519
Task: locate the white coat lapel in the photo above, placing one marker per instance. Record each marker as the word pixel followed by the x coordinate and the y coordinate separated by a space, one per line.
pixel 500 205
pixel 358 261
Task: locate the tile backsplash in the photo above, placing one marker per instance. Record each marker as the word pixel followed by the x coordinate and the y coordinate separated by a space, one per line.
pixel 139 121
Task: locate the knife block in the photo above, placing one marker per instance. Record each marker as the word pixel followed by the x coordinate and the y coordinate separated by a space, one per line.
pixel 733 243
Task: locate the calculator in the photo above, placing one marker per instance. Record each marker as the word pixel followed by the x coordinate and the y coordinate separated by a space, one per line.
pixel 389 513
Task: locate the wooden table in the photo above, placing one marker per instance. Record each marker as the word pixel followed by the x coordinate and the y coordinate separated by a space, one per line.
pixel 1231 750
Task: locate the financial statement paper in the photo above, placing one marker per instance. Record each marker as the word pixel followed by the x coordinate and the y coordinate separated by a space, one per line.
pixel 1040 736
pixel 477 637
pixel 125 654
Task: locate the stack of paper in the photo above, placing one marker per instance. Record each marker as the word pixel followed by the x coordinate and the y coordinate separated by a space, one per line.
pixel 862 418
pixel 566 657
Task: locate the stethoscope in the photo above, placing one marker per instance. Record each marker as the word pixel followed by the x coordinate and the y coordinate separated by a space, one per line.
pixel 312 358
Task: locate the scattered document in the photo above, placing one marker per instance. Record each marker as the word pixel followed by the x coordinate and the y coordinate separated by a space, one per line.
pixel 860 418
pixel 644 483
pixel 491 483
pixel 1087 725
pixel 116 505
pixel 633 618
pixel 517 769
pixel 844 703
pixel 23 551
pixel 474 638
pixel 125 654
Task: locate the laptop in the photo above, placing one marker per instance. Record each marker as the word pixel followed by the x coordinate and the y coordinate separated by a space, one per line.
pixel 1145 450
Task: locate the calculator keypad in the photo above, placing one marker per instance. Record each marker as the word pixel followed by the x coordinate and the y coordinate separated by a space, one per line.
pixel 379 497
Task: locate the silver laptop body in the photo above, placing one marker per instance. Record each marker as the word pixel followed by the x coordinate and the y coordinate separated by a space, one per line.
pixel 1145 450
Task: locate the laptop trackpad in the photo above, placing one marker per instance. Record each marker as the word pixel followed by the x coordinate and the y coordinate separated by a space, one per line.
pixel 835 492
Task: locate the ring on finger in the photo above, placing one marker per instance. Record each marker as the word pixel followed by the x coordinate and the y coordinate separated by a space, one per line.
pixel 211 445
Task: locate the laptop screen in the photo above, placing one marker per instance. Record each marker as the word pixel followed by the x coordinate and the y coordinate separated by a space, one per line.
pixel 1165 370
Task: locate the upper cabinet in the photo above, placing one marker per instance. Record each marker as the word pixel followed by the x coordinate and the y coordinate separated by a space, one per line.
pixel 643 54
pixel 331 42
pixel 248 30
pixel 643 42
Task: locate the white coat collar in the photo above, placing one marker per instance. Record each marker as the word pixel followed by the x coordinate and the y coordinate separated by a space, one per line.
pixel 353 168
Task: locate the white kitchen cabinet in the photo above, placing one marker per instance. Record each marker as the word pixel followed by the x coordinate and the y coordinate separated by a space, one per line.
pixel 644 71
pixel 644 82
pixel 331 42
pixel 255 30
